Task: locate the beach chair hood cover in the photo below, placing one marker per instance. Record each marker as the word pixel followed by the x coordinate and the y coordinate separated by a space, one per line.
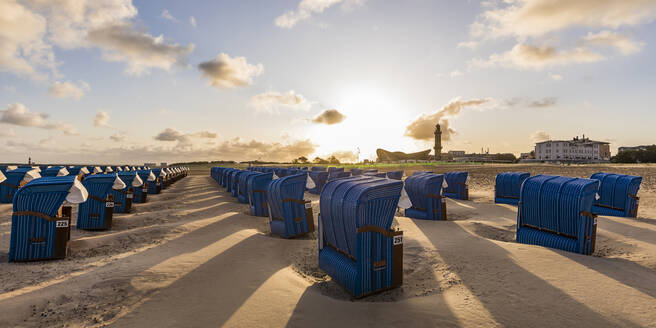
pixel 2 177
pixel 97 169
pixel 151 176
pixel 137 182
pixel 77 194
pixel 118 184
pixel 62 172
pixel 11 167
pixel 109 170
pixel 119 169
pixel 162 173
pixel 31 175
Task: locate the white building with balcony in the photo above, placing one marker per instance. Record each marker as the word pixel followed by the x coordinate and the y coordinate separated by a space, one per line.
pixel 575 150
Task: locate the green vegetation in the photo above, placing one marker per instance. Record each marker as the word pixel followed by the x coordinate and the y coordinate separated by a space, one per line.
pixel 647 155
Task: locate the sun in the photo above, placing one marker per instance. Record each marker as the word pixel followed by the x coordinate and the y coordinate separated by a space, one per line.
pixel 375 118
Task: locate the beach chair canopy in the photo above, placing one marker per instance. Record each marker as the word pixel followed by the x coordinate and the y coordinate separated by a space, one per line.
pixel 618 194
pixel 556 212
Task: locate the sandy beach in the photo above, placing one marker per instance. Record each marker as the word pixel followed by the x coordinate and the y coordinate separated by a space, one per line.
pixel 193 257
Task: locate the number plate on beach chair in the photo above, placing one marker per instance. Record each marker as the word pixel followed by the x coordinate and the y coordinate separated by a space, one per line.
pixel 398 240
pixel 62 224
pixel 109 204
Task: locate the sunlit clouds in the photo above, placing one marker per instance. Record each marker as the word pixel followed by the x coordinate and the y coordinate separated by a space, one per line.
pixel 225 72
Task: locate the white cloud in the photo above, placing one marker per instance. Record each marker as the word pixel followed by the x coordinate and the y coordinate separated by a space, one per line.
pixel 167 15
pixel 539 136
pixel 183 139
pixel 468 44
pixel 192 21
pixel 538 17
pixel 140 51
pixel 7 133
pixel 456 73
pixel 422 128
pixel 19 115
pixel 555 77
pixel 526 56
pixel 29 30
pixel 307 8
pixel 118 137
pixel 63 90
pixel 329 117
pixel 101 119
pixel 22 48
pixel 225 72
pixel 273 101
pixel 622 43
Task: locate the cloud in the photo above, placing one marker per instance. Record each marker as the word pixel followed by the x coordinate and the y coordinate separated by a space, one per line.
pixel 7 133
pixel 307 8
pixel 183 139
pixel 225 72
pixel 101 119
pixel 257 150
pixel 273 101
pixel 140 51
pixel 423 127
pixel 192 21
pixel 63 90
pixel 205 134
pixel 345 156
pixel 22 48
pixel 622 43
pixel 468 44
pixel 556 77
pixel 329 117
pixel 456 73
pixel 18 114
pixel 539 136
pixel 167 15
pixel 170 134
pixel 118 137
pixel 524 56
pixel 543 103
pixel 524 18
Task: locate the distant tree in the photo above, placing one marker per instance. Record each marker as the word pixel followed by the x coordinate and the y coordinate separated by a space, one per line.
pixel 647 155
pixel 319 160
pixel 333 160
pixel 505 157
pixel 300 160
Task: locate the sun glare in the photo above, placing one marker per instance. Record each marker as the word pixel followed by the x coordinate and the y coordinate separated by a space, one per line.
pixel 375 119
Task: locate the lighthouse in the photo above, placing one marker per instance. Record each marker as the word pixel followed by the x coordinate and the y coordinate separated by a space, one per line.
pixel 438 142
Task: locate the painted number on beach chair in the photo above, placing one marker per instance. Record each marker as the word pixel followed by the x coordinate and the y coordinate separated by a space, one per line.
pixel 109 204
pixel 61 224
pixel 129 196
pixel 144 189
pixel 398 240
pixel 308 205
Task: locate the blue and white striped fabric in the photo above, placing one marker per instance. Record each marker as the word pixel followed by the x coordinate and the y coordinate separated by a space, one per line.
pixel 287 215
pixel 355 242
pixel 425 193
pixel 14 180
pixel 618 194
pixel 97 212
pixel 555 212
pixel 34 223
pixel 507 187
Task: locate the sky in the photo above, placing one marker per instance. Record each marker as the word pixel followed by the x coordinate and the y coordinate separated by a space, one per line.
pixel 133 81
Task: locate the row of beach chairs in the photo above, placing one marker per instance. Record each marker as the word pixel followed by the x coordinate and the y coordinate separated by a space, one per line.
pixel 43 198
pixel 560 212
pixel 356 244
pixel 358 249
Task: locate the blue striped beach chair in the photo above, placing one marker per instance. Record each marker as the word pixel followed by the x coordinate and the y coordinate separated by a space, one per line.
pixel 15 179
pixel 123 198
pixel 257 185
pixel 555 212
pixel 357 248
pixel 40 223
pixel 289 214
pixel 618 195
pixel 457 185
pixel 507 187
pixel 425 193
pixel 97 212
